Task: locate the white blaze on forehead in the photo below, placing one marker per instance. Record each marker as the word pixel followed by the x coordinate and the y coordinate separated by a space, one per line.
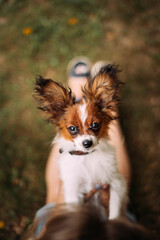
pixel 83 113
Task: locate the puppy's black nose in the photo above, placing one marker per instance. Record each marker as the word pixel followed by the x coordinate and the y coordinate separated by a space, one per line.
pixel 87 143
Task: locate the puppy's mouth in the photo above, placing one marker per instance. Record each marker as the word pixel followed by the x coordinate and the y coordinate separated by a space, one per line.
pixel 74 152
pixel 80 152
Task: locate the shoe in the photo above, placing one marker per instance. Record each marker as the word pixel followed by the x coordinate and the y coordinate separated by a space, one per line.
pixel 79 67
pixel 78 74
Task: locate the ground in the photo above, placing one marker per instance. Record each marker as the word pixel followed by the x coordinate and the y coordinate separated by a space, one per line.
pixel 40 37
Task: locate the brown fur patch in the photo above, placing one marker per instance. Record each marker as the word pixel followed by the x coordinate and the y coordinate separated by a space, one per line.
pixel 94 115
pixel 53 98
pixel 71 118
pixel 103 90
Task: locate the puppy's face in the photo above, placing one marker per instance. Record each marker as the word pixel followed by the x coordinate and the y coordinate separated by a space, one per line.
pixel 84 125
pixel 86 122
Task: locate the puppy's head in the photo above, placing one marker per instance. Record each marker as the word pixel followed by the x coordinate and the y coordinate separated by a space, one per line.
pixel 85 122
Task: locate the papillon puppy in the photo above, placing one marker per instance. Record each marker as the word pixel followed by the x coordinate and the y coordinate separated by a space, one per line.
pixel 86 157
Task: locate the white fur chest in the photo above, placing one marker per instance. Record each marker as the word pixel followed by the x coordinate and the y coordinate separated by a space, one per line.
pixel 80 173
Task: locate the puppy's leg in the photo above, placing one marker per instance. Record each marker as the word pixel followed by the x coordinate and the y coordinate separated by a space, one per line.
pixel 118 191
pixel 71 191
pixel 72 184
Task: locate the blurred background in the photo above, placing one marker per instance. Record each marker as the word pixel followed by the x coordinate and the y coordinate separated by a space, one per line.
pixel 40 37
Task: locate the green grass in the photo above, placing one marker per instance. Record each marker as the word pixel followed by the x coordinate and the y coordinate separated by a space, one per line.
pixel 118 31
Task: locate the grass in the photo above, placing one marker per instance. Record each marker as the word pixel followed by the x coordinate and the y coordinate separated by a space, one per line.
pixel 123 33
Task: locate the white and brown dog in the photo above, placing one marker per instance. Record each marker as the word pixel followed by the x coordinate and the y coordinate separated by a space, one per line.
pixel 86 157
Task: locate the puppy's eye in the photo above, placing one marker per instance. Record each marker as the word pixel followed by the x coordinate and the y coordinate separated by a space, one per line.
pixel 95 126
pixel 73 130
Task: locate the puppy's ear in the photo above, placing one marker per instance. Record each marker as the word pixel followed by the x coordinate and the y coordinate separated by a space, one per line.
pixel 103 90
pixel 53 98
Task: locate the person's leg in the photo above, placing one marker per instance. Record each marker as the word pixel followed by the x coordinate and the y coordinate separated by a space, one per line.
pixel 54 186
pixel 78 73
pixel 52 176
pixel 117 140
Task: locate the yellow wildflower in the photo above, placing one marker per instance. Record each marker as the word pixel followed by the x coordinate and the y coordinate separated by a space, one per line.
pixel 27 31
pixel 110 36
pixel 1 224
pixel 72 21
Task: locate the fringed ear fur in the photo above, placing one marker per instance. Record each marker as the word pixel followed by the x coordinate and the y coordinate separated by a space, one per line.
pixel 53 98
pixel 103 90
